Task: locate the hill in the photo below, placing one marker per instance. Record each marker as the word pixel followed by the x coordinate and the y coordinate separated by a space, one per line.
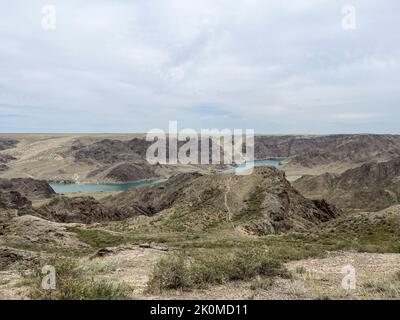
pixel 261 203
pixel 372 186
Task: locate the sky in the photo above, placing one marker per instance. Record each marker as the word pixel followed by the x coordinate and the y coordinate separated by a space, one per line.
pixel 275 66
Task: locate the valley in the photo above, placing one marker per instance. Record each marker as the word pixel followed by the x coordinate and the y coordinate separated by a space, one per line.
pixel 189 231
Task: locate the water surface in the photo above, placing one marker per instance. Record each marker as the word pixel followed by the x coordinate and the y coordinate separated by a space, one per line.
pixel 257 163
pixel 76 187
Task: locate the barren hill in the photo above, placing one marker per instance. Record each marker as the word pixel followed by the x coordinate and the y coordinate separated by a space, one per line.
pixel 28 187
pixel 121 158
pixel 261 203
pixel 372 186
pixel 329 148
pixel 7 143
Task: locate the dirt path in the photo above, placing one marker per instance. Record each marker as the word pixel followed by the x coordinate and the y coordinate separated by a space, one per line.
pixel 228 189
pixel 131 265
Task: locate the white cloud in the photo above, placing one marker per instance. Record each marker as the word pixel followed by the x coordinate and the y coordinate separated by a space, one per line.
pixel 356 116
pixel 276 66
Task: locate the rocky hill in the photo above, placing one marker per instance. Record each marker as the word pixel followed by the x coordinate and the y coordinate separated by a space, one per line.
pixel 34 232
pixel 310 151
pixel 12 203
pixel 81 210
pixel 372 186
pixel 127 172
pixel 13 200
pixel 7 143
pixel 16 196
pixel 27 187
pixel 151 200
pixel 374 227
pixel 121 158
pixel 4 159
pixel 261 203
pixel 111 151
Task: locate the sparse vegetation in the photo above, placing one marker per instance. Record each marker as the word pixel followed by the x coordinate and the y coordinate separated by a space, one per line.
pixel 217 234
pixel 383 289
pixel 253 208
pixel 72 284
pixel 301 270
pixel 98 238
pixel 202 268
pixel 260 283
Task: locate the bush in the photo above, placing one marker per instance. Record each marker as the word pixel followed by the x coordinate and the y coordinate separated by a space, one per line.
pixel 204 268
pixel 262 284
pixel 170 273
pixel 71 284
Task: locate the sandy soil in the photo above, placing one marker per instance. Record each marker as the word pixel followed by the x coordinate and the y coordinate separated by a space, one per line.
pixel 11 286
pixel 129 265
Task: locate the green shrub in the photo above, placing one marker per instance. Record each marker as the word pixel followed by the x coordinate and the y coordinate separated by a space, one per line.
pixel 203 268
pixel 71 284
pixel 98 238
pixel 170 273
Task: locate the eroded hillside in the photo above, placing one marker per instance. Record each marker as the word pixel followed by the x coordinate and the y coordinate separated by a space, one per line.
pixel 223 235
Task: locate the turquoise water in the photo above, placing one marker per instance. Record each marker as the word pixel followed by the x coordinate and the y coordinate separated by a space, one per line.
pixel 257 163
pixel 75 187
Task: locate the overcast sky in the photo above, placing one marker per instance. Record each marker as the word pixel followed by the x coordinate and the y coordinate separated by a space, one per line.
pixel 130 66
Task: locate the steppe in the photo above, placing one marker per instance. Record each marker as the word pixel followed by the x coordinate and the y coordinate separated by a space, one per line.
pixel 280 233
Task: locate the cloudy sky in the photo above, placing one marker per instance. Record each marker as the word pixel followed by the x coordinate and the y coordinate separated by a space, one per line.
pixel 275 66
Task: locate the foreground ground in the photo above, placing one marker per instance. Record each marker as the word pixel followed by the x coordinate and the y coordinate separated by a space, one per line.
pixel 376 278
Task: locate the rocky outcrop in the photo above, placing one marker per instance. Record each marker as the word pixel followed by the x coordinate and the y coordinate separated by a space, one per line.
pixel 109 151
pixel 12 258
pixel 274 206
pixel 81 210
pixel 372 186
pixel 4 159
pixel 261 203
pixel 31 231
pixel 13 200
pixel 12 203
pixel 311 151
pixel 150 200
pixel 7 144
pixel 128 172
pixel 27 187
pixel 329 210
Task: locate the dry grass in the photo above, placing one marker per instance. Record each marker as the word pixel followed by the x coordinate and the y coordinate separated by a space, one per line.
pixel 203 268
pixel 73 284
